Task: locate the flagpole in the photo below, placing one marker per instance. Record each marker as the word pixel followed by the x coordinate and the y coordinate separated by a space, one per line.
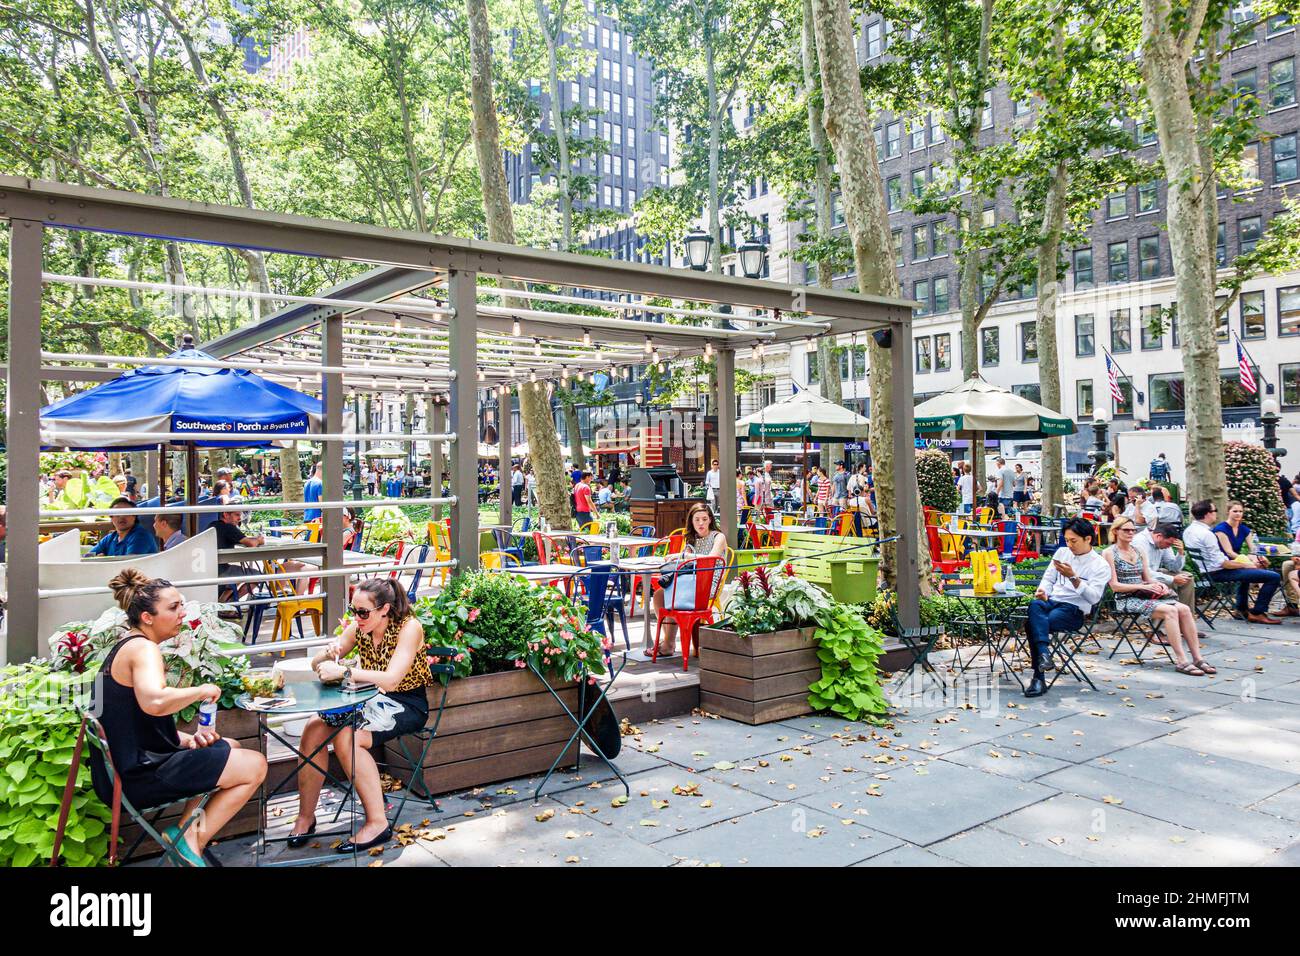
pixel 1259 372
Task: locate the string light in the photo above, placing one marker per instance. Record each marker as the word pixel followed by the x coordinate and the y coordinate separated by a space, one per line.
pixel 537 347
pixel 586 337
pixel 649 346
pixel 761 350
pixel 516 327
pixel 532 377
pixel 482 376
pixel 564 374
pixel 655 355
pixel 397 324
pixel 708 350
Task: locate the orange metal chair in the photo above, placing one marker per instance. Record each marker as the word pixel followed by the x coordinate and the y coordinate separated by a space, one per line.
pixel 705 570
pixel 292 605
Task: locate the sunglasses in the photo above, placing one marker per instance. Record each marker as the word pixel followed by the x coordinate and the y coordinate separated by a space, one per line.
pixel 364 612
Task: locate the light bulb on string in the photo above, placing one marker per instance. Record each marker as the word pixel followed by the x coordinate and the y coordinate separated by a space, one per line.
pixel 482 376
pixel 564 374
pixel 586 337
pixel 655 355
pixel 649 346
pixel 515 327
pixel 708 350
pixel 532 377
pixel 537 347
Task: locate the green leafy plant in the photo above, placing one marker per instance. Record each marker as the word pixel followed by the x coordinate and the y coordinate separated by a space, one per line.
pixel 386 524
pixel 1252 480
pixel 934 480
pixel 767 601
pixel 38 735
pixel 848 648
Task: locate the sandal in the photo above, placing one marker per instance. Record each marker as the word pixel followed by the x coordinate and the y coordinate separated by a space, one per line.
pixel 1191 670
pixel 1205 667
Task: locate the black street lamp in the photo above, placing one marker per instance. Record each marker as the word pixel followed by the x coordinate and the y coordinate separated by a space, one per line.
pixel 753 257
pixel 1269 418
pixel 1100 453
pixel 698 245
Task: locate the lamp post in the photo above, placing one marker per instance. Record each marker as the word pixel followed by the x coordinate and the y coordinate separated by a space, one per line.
pixel 753 257
pixel 1269 417
pixel 698 245
pixel 1100 453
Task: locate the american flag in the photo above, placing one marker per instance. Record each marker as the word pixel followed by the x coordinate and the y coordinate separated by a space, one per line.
pixel 1112 374
pixel 1247 375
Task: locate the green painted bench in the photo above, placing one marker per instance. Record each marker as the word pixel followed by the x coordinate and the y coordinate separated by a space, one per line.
pixel 850 575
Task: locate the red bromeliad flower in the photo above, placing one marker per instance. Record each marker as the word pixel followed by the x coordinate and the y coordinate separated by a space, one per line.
pixel 745 579
pixel 75 649
pixel 788 570
pixel 763 581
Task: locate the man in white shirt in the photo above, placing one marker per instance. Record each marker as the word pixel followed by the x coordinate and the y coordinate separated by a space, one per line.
pixel 1070 589
pixel 966 488
pixel 1244 571
pixel 1166 511
pixel 713 484
pixel 1142 512
pixel 517 485
pixel 1161 544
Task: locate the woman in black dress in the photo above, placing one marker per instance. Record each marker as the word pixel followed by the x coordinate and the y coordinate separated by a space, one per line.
pixel 158 764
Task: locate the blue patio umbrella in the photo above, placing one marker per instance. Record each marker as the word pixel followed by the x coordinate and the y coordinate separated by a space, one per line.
pixel 224 408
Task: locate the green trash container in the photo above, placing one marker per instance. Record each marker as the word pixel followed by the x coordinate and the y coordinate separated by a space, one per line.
pixel 748 559
pixel 853 579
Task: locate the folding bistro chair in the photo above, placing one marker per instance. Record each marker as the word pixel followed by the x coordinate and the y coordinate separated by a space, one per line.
pixel 424 735
pixel 1211 596
pixel 108 787
pixel 1066 645
pixel 699 574
pixel 920 642
pixel 1131 623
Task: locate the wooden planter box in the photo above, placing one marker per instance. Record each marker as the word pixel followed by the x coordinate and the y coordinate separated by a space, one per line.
pixel 495 727
pixel 757 679
pixel 235 724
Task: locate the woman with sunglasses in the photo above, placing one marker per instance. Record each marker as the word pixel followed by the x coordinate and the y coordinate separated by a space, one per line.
pixel 390 654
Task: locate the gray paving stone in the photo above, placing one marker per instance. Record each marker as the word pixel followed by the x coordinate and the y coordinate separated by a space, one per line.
pixel 1285 804
pixel 1249 689
pixel 700 743
pixel 1167 707
pixel 512 836
pixel 1242 740
pixel 822 726
pixel 1114 836
pixel 908 855
pixel 924 807
pixel 1212 776
pixel 682 812
pixel 1005 761
pixel 1081 737
pixel 988 846
pixel 1251 832
pixel 781 836
pixel 791 773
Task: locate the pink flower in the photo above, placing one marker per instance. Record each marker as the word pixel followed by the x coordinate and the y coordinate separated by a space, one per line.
pixel 606 643
pixel 435 660
pixel 458 658
pixel 591 680
pixel 520 664
pixel 582 655
pixel 473 615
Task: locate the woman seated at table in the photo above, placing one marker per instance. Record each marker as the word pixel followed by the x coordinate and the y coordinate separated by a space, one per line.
pixel 1115 508
pixel 1138 592
pixel 389 641
pixel 704 539
pixel 158 764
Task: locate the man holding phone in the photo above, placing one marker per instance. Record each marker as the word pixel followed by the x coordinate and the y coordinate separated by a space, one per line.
pixel 1070 589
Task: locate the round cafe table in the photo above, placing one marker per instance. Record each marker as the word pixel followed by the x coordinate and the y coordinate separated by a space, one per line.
pixel 309 697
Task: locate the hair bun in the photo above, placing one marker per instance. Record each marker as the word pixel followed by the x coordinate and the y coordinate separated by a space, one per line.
pixel 126 583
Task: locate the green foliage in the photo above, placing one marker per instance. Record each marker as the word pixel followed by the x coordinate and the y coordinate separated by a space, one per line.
pixel 768 601
pixel 934 479
pixel 848 648
pixel 38 735
pixel 882 613
pixel 498 623
pixel 386 524
pixel 1252 480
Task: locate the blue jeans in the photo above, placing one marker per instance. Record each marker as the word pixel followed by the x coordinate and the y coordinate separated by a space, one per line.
pixel 1007 505
pixel 1269 582
pixel 1048 616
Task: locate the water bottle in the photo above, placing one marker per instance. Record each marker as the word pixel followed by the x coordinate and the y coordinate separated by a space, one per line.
pixel 208 716
pixel 1011 578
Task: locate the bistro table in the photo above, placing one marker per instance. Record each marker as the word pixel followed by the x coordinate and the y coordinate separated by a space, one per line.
pixel 350 558
pixel 990 612
pixel 622 541
pixel 310 697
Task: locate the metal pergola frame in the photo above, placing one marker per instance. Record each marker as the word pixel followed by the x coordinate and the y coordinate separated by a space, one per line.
pixel 446 328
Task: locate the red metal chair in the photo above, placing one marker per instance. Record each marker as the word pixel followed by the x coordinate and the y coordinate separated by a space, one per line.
pixel 704 570
pixel 944 565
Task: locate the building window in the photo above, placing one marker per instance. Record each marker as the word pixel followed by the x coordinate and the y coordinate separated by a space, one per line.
pixel 989 344
pixel 1121 331
pixel 1149 257
pixel 1032 391
pixel 1084 337
pixel 812 367
pixel 898 246
pixel 986 120
pixel 1231 394
pixel 1278 22
pixel 1146 134
pixel 918 182
pixel 939 235
pixel 1029 341
pixel 920 242
pixel 1083 397
pixel 1288 310
pixel 923 355
pixel 1221 245
pixel 860 361
pixel 940 285
pixel 1117 206
pixel 879 134
pixel 875 40
pixel 1284 158
pixel 1148 197
pixel 917 132
pixel 894 193
pixel 844 365
pixel 893 139
pixel 921 293
pixel 1083 269
pixel 1290 376
pixel 1166 393
pixel 1117 261
pixel 1221 319
pixel 1252 315
pixel 1281 84
pixel 1150 330
pixel 1248 232
pixel 942 351
pixel 1124 405
pixel 936 128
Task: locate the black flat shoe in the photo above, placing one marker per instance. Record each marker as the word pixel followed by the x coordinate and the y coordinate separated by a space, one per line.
pixel 348 846
pixel 1037 687
pixel 300 840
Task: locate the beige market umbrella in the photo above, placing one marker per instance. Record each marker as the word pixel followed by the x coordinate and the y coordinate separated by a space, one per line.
pixel 978 406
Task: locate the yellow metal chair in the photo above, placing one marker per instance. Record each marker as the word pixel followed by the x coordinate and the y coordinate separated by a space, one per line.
pixel 440 540
pixel 498 560
pixel 591 527
pixel 291 604
pixel 727 572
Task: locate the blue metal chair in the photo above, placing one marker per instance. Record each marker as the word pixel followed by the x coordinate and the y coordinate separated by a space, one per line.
pixel 415 554
pixel 508 543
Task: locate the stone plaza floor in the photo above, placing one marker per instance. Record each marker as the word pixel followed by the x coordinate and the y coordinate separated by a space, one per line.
pixel 1153 768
